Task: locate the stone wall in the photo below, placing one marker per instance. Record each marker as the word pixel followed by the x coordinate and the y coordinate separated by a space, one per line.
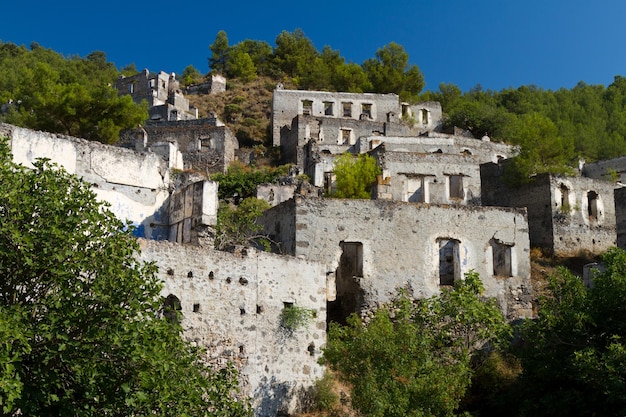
pixel 566 215
pixel 232 303
pixel 287 104
pixel 205 146
pixel 428 177
pixel 135 185
pixel 403 245
pixel 435 142
pixel 609 170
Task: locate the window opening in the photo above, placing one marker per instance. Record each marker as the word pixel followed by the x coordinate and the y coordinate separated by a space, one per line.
pixel 425 118
pixel 347 279
pixel 346 109
pixel 328 108
pixel 456 187
pixel 501 258
pixel 417 190
pixel 449 265
pixel 564 197
pixel 196 308
pixel 307 107
pixel 172 309
pixel 592 205
pixel 366 110
pixel 345 136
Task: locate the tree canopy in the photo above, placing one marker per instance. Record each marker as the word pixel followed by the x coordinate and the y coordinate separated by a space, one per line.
pixel 354 175
pixel 73 96
pixel 413 357
pixel 81 319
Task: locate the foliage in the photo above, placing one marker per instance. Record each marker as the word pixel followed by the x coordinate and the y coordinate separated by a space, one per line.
pixel 413 357
pixel 541 149
pixel 191 76
pixel 294 317
pixel 241 66
pixel 79 314
pixel 73 96
pixel 574 353
pixel 241 181
pixel 237 225
pixel 219 53
pixel 390 72
pixel 325 398
pixel 354 175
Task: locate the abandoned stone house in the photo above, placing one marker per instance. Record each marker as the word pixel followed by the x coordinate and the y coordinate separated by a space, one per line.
pixel 372 248
pixel 207 145
pixel 566 215
pixel 162 93
pixel 213 84
pixel 380 108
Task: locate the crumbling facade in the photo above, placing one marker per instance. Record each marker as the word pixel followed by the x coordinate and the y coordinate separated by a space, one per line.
pixel 231 304
pixel 287 104
pixel 566 215
pixel 162 93
pixel 207 145
pixel 374 247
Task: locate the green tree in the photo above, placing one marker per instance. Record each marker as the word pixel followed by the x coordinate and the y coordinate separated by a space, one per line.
pixel 81 333
pixel 413 357
pixel 390 72
pixel 236 225
pixel 240 66
pixel 354 175
pixel 574 353
pixel 542 150
pixel 219 53
pixel 73 96
pixel 191 75
pixel 294 53
pixel 260 52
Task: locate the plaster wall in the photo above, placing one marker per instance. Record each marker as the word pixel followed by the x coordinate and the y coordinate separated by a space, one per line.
pixel 400 244
pixel 287 104
pixel 428 177
pixel 231 304
pixel 136 185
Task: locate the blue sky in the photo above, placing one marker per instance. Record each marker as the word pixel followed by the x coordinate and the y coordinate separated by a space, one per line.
pixel 494 43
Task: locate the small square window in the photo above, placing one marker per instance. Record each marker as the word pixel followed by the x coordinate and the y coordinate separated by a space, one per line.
pixel 346 109
pixel 307 107
pixel 366 110
pixel 328 108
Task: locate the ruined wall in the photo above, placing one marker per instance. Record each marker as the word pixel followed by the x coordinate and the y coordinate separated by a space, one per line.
pixel 191 209
pixel 136 185
pixel 583 212
pixel 609 170
pixel 536 197
pixel 427 115
pixel 435 178
pixel 565 214
pixel 400 246
pixel 231 304
pixel 287 104
pixel 205 146
pixel 435 142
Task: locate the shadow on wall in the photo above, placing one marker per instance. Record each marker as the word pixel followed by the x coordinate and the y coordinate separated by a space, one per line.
pixel 276 398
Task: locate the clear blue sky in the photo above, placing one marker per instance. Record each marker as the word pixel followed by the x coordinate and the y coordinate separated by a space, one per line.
pixel 494 43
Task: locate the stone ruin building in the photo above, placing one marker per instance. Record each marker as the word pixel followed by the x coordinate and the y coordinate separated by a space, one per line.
pixel 438 210
pixel 162 93
pixel 207 145
pixel 566 215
